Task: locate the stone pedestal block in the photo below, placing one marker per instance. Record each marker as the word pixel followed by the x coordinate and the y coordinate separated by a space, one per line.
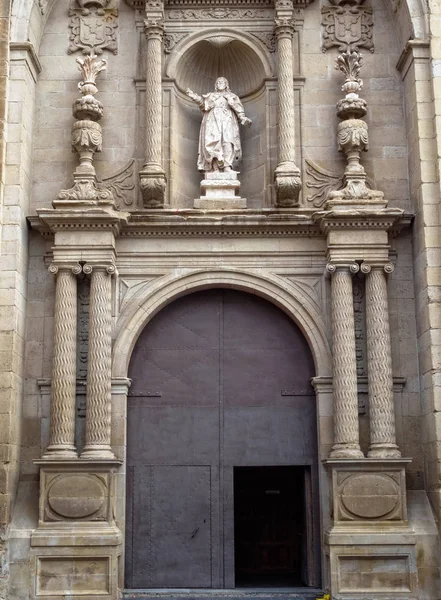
pixel 371 547
pixel 77 546
pixel 218 192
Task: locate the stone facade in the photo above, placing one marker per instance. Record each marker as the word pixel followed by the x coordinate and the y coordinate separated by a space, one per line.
pixel 100 231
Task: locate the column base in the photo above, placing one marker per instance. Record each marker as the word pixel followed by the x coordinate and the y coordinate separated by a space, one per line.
pixel 58 452
pixel 384 451
pixel 97 453
pixel 346 451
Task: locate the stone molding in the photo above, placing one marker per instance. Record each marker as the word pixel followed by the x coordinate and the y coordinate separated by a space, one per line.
pixel 25 51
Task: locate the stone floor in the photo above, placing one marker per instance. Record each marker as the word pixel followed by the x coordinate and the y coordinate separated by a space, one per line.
pixel 243 594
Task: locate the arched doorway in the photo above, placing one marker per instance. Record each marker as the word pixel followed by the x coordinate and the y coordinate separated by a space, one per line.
pixel 221 448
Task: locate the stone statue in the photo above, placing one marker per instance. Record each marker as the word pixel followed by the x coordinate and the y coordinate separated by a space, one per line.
pixel 219 139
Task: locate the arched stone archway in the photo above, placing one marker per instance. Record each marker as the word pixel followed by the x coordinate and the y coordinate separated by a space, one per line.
pixel 221 407
pixel 297 305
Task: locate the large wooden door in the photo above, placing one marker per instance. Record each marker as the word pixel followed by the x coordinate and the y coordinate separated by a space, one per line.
pixel 220 379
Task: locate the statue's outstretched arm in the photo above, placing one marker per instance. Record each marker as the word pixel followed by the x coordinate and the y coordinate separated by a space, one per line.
pixel 195 97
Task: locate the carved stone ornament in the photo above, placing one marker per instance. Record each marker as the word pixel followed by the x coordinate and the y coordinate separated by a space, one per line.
pixel 153 185
pixel 87 137
pixel 353 134
pixel 42 5
pixel 347 26
pixel 121 185
pixel 220 13
pixel 267 38
pixel 93 26
pixel 171 39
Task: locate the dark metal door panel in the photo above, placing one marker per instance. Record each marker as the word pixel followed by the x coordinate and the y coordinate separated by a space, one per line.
pixel 171 528
pixel 219 378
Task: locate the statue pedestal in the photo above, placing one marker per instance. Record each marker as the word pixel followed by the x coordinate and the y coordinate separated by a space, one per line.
pixel 218 192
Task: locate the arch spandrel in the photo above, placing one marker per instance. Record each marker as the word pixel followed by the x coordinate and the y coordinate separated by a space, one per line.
pixel 297 305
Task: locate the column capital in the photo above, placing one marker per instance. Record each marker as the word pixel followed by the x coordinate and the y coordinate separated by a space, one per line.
pixel 284 28
pixel 332 267
pixel 110 269
pixel 57 267
pixel 154 28
pixel 388 267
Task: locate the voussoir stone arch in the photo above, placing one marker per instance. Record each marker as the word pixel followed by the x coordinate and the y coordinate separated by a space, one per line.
pixel 296 304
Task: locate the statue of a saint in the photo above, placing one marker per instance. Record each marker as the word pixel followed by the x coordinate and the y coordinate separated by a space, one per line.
pixel 219 139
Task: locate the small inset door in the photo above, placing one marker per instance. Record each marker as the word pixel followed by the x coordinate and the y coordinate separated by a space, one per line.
pixel 270 526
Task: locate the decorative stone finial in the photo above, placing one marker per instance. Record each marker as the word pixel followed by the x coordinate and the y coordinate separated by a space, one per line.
pixel 352 134
pixel 87 136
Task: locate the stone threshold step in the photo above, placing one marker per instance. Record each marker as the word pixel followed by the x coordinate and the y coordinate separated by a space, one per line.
pixel 243 594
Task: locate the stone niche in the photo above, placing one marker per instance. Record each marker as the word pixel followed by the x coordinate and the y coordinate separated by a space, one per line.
pixel 196 62
pixel 77 546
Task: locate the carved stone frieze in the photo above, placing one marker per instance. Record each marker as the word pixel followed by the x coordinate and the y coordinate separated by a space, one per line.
pixel 347 26
pixel 93 26
pixel 220 13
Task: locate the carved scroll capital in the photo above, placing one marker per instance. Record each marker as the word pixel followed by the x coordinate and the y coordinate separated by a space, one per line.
pixel 55 268
pixel 109 269
pixel 332 268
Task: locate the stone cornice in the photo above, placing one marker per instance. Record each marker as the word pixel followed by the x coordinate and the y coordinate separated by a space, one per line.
pixel 49 221
pixel 199 223
pixel 414 49
pixel 140 4
pixel 388 219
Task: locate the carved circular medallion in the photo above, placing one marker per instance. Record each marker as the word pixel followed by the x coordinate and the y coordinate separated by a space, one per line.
pixel 76 496
pixel 369 495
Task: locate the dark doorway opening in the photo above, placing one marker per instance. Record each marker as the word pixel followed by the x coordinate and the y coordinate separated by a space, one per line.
pixel 270 521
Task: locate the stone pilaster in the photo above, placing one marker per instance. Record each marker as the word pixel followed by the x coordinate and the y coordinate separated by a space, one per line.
pixel 287 174
pixel 62 419
pixel 152 176
pixel 346 430
pixel 98 397
pixel 380 381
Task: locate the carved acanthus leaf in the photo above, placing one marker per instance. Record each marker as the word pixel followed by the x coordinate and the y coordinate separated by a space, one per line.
pixel 122 184
pixel 268 38
pixel 347 27
pixel 93 28
pixel 171 39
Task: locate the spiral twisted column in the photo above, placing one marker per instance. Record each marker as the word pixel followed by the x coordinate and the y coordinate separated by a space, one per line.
pixel 152 176
pixel 62 415
pixel 380 380
pixel 346 430
pixel 287 175
pixel 98 395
